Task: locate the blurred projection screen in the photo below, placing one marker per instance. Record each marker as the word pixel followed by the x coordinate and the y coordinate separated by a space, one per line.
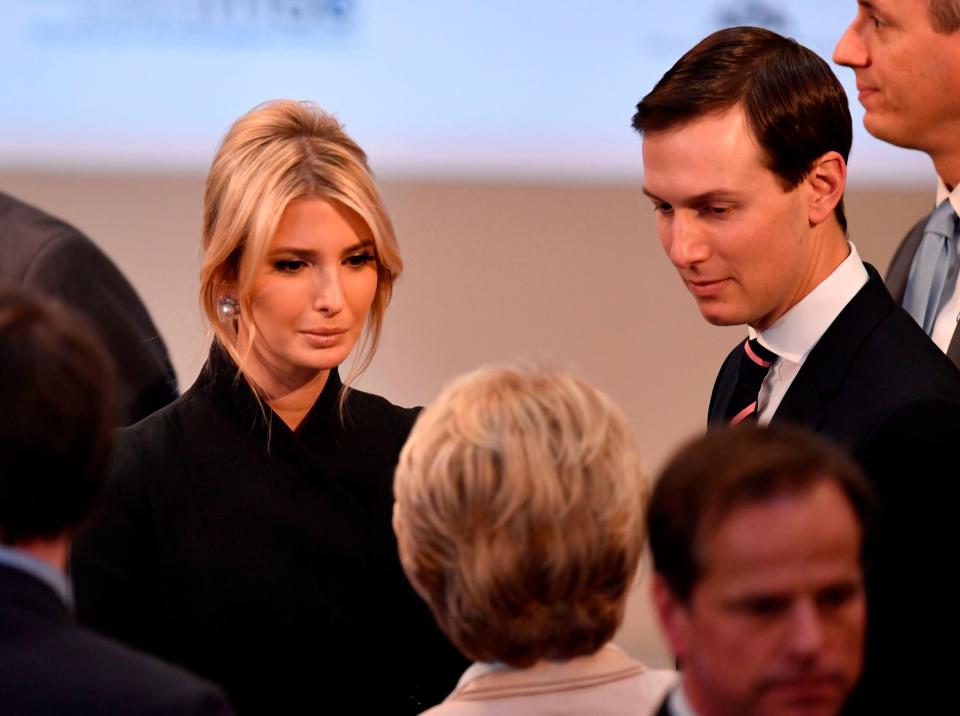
pixel 539 89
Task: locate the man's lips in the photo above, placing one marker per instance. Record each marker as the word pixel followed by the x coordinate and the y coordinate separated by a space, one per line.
pixel 865 91
pixel 814 686
pixel 705 287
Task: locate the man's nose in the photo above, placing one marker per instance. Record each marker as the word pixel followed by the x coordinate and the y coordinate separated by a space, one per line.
pixel 686 245
pixel 806 632
pixel 850 50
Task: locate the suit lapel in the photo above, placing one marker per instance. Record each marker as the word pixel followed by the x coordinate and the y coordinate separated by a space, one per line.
pixel 823 372
pixel 899 270
pixel 723 388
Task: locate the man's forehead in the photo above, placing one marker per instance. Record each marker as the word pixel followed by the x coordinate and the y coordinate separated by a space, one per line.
pixel 899 8
pixel 708 159
pixel 815 524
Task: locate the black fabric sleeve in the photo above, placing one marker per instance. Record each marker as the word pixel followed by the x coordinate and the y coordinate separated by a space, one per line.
pixel 114 558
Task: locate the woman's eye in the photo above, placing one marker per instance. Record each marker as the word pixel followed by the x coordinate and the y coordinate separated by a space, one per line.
pixel 360 259
pixel 289 265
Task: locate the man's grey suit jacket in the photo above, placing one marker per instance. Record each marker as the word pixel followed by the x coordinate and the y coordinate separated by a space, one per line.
pixel 899 272
pixel 43 254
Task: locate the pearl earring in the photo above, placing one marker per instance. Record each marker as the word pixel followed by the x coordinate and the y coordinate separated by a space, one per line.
pixel 228 308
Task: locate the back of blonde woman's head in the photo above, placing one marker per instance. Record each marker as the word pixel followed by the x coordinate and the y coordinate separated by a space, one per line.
pixel 278 152
pixel 519 514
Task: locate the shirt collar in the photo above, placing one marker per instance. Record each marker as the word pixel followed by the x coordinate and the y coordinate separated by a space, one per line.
pixel 944 192
pixel 478 669
pixel 797 331
pixel 37 568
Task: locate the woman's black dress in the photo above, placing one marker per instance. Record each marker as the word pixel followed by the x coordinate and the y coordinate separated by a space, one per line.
pixel 263 558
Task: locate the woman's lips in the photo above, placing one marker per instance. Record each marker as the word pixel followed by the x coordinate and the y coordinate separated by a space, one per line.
pixel 323 338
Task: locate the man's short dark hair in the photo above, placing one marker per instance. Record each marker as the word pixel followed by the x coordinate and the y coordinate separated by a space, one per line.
pixel 944 15
pixel 794 104
pixel 55 383
pixel 731 467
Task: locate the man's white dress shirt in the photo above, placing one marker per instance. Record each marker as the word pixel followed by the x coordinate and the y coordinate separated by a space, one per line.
pixel 797 331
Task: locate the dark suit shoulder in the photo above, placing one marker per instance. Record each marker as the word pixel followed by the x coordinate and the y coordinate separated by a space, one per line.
pixel 49 665
pixel 27 233
pixel 70 670
pixel 44 254
pixel 905 366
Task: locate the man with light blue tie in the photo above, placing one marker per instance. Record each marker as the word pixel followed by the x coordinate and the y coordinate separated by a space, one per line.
pixel 906 56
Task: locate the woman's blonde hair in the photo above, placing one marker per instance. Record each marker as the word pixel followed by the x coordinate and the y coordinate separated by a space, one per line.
pixel 519 514
pixel 278 152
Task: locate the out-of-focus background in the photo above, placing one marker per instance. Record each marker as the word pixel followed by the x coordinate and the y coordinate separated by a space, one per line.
pixel 500 132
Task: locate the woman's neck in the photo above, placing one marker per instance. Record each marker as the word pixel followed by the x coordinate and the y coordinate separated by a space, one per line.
pixel 292 402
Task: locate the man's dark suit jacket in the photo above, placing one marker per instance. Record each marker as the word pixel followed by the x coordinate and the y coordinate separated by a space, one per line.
pixel 899 272
pixel 41 253
pixel 878 385
pixel 51 666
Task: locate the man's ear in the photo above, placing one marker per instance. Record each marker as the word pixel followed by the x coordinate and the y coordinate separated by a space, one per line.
pixel 826 179
pixel 674 617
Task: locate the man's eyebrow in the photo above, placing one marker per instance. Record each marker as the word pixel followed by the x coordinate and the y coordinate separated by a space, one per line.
pixel 706 197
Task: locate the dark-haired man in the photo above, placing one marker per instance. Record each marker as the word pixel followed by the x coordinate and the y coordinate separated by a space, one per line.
pixel 745 145
pixel 770 625
pixel 54 444
pixel 906 56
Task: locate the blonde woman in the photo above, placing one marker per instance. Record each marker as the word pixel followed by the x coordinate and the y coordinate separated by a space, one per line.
pixel 246 532
pixel 519 516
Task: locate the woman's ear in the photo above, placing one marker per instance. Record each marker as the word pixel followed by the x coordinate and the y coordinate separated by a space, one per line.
pixel 826 179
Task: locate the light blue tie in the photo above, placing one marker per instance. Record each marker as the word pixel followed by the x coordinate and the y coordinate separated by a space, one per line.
pixel 933 274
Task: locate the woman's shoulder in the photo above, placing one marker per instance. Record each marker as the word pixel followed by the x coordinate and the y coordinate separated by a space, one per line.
pixel 366 407
pixel 163 432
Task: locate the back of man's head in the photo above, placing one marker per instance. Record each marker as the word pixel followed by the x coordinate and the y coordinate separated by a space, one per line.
pixel 55 379
pixel 793 102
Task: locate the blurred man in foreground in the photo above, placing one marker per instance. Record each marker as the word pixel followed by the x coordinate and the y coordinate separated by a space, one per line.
pixel 757 537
